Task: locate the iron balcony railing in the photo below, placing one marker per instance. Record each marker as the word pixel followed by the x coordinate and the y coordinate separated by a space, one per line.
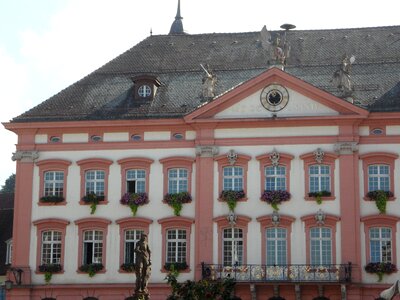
pixel 279 273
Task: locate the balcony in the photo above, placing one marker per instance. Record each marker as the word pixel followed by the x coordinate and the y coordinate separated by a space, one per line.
pixel 279 273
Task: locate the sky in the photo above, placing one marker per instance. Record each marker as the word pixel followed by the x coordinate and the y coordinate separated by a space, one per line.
pixel 47 45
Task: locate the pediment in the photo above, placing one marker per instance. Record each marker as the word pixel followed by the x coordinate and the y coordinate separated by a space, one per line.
pixel 275 93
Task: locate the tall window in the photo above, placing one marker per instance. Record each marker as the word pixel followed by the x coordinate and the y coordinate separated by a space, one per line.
pixel 378 177
pixel 92 247
pixel 176 246
pixel 233 178
pixel 275 178
pixel 94 182
pixel 132 236
pixel 321 245
pixel 380 239
pixel 53 183
pixel 177 180
pixel 232 246
pixel 320 178
pixel 136 181
pixel 51 247
pixel 276 246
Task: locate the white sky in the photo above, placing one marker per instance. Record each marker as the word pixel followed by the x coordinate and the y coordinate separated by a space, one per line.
pixel 46 45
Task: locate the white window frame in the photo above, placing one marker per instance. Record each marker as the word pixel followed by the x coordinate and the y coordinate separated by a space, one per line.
pixel 144 91
pixel 96 182
pixel 379 177
pixel 51 247
pixel 96 243
pixel 53 186
pixel 276 241
pixel 319 242
pixel 180 181
pixel 176 248
pixel 319 176
pixel 233 244
pixel 130 244
pixel 134 175
pixel 385 256
pixel 235 178
pixel 275 176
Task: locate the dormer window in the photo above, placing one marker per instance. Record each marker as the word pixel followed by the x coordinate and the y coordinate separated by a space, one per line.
pixel 145 87
pixel 144 91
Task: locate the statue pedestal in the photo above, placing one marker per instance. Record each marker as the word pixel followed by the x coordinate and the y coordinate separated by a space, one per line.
pixel 141 296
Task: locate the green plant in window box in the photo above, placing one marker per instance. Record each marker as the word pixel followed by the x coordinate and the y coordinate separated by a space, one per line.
pixel 231 197
pixel 52 199
pixel 128 267
pixel 276 197
pixel 92 199
pixel 134 200
pixel 380 197
pixel 176 266
pixel 91 269
pixel 176 201
pixel 380 268
pixel 49 270
pixel 318 195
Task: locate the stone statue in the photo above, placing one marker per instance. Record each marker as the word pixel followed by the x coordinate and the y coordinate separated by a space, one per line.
pixel 142 268
pixel 209 81
pixel 391 292
pixel 342 76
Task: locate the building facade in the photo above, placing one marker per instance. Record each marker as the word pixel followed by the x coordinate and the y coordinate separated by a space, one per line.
pixel 285 165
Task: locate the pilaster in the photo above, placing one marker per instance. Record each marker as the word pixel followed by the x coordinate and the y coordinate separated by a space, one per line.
pixel 350 205
pixel 204 206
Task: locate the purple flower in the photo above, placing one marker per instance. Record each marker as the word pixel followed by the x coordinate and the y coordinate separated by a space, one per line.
pixel 380 267
pixel 137 199
pixel 275 197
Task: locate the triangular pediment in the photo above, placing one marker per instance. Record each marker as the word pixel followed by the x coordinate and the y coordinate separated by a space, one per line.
pixel 275 93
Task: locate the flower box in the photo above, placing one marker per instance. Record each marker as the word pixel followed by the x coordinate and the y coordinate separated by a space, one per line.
pixel 318 195
pixel 176 200
pixel 128 267
pixel 52 199
pixel 91 269
pixel 380 197
pixel 275 197
pixel 232 197
pixel 380 268
pixel 177 266
pixel 134 200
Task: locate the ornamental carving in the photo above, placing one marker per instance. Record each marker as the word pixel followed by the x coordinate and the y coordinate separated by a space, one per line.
pixel 319 155
pixel 206 151
pixel 232 157
pixel 25 156
pixel 274 157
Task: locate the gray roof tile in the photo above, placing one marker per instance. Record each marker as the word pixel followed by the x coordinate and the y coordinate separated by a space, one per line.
pixel 235 57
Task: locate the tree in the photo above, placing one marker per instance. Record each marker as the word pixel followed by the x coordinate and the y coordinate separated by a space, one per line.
pixel 9 185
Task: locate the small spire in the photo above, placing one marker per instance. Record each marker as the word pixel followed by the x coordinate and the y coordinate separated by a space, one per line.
pixel 178 12
pixel 177 26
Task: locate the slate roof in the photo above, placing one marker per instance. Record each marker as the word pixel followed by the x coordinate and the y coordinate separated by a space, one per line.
pixel 106 94
pixel 6 223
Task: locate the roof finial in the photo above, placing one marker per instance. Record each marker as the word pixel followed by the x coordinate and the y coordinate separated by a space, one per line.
pixel 177 26
pixel 178 12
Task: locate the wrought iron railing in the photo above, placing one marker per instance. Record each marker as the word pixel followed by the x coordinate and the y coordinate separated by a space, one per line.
pixel 279 273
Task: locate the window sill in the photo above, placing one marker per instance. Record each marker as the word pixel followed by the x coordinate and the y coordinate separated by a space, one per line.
pixel 240 200
pixel 42 273
pixel 103 202
pixel 99 272
pixel 330 198
pixel 187 270
pixel 371 200
pixel 63 203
